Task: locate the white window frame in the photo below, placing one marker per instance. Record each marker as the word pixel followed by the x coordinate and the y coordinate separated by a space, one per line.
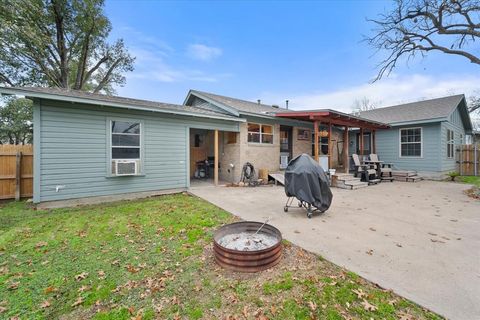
pixel 400 143
pixel 261 134
pixel 110 145
pixel 450 143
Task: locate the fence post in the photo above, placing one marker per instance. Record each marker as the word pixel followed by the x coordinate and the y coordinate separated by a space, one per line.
pixel 476 163
pixel 18 175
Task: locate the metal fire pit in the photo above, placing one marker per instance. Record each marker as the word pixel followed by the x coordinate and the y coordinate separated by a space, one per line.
pixel 247 261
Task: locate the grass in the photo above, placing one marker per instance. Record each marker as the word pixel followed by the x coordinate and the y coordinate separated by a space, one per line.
pixel 470 180
pixel 152 258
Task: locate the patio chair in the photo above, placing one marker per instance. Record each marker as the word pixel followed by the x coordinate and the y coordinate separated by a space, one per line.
pixel 367 172
pixel 385 170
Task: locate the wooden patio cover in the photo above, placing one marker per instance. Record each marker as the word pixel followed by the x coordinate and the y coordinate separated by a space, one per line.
pixel 330 118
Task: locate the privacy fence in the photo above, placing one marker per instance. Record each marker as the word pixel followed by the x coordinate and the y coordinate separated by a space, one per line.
pixel 468 159
pixel 16 171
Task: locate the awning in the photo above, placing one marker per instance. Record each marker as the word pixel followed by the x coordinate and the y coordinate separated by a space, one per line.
pixel 332 117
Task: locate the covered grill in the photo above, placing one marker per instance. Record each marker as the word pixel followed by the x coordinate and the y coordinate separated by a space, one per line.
pixel 306 181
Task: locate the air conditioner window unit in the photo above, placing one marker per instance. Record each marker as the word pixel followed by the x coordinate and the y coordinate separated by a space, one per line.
pixel 126 167
pixel 283 162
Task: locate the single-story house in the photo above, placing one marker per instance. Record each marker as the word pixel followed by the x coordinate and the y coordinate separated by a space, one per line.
pixel 423 135
pixel 88 145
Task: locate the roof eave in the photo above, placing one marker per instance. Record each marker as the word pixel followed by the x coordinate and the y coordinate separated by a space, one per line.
pixel 415 122
pixel 59 97
pixel 228 109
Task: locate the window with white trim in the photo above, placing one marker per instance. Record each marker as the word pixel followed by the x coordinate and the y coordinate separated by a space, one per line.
pixel 450 143
pixel 411 142
pixel 125 140
pixel 260 133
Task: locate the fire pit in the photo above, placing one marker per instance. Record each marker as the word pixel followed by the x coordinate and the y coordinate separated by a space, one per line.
pixel 238 248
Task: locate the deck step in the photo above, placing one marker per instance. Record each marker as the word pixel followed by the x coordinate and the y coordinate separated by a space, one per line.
pixel 278 177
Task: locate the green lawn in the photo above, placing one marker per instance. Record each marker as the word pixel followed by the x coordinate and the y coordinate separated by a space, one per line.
pixel 153 259
pixel 470 180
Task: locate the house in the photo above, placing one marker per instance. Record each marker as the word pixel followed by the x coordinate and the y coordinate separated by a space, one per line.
pixel 423 135
pixel 270 136
pixel 90 145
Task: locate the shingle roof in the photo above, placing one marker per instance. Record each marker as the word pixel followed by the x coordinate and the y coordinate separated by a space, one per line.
pixel 115 101
pixel 415 111
pixel 242 106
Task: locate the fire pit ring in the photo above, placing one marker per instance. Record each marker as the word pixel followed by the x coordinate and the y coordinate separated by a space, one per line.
pixel 248 260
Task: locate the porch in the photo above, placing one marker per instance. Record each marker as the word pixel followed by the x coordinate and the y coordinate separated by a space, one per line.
pixel 337 135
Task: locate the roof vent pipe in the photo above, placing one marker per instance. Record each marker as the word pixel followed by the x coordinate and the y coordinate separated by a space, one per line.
pixel 259 101
pixel 286 104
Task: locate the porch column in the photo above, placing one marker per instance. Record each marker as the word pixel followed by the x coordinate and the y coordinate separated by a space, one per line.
pixel 330 153
pixel 215 170
pixel 315 137
pixel 360 141
pixel 346 158
pixel 374 142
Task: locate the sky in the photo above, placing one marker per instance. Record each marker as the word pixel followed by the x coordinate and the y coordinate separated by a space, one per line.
pixel 309 52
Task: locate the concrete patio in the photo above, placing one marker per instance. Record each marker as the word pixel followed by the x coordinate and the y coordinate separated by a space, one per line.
pixel 421 239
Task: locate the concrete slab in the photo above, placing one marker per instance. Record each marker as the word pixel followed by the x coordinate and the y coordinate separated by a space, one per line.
pixel 421 240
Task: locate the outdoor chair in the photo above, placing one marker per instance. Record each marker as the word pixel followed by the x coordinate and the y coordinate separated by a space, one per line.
pixel 367 172
pixel 385 170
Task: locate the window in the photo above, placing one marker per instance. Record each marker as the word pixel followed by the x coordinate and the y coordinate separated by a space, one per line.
pixel 450 143
pixel 303 134
pixel 125 140
pixel 411 142
pixel 260 133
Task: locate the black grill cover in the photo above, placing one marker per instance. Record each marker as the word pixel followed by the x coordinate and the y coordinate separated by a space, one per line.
pixel 306 180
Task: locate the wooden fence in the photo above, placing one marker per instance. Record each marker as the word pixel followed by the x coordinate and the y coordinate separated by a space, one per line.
pixel 468 160
pixel 16 171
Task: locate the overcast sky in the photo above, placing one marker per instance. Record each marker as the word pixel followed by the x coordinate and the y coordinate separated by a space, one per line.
pixel 308 52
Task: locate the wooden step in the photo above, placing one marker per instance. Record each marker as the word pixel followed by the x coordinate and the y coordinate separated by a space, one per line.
pixel 404 173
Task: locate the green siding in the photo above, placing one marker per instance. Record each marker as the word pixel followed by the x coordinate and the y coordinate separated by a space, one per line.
pixel 73 149
pixel 388 148
pixel 455 124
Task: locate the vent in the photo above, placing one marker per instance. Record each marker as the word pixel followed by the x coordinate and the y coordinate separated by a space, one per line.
pixel 275 106
pixel 125 167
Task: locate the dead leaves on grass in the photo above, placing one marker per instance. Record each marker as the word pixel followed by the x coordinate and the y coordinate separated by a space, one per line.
pixel 45 304
pixel 77 302
pixel 368 306
pixel 81 276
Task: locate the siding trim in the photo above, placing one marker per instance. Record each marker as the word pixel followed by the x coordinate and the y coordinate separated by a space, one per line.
pixel 36 150
pixel 400 143
pixel 187 155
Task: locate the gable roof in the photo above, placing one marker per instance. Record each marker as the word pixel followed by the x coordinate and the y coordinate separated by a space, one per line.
pixel 115 101
pixel 234 105
pixel 432 110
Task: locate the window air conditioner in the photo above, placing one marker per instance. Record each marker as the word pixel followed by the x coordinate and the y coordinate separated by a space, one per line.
pixel 125 167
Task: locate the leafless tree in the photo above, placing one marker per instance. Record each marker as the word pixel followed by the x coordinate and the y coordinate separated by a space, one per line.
pixel 363 104
pixel 416 27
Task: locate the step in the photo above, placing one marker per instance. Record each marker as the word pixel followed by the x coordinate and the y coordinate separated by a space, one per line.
pixel 404 173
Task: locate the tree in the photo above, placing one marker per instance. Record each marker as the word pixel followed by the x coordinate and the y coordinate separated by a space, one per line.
pixel 363 104
pixel 416 27
pixel 60 43
pixel 16 121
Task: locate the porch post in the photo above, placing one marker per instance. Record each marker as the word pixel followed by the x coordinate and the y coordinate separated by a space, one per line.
pixel 215 170
pixel 360 141
pixel 330 153
pixel 315 143
pixel 346 158
pixel 374 143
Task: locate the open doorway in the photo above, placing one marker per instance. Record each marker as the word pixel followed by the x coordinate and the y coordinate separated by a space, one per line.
pixel 202 154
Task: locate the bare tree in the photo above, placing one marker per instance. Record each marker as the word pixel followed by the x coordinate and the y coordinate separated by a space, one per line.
pixel 416 27
pixel 363 104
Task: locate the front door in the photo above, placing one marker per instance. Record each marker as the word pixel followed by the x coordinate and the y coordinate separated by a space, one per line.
pixel 367 145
